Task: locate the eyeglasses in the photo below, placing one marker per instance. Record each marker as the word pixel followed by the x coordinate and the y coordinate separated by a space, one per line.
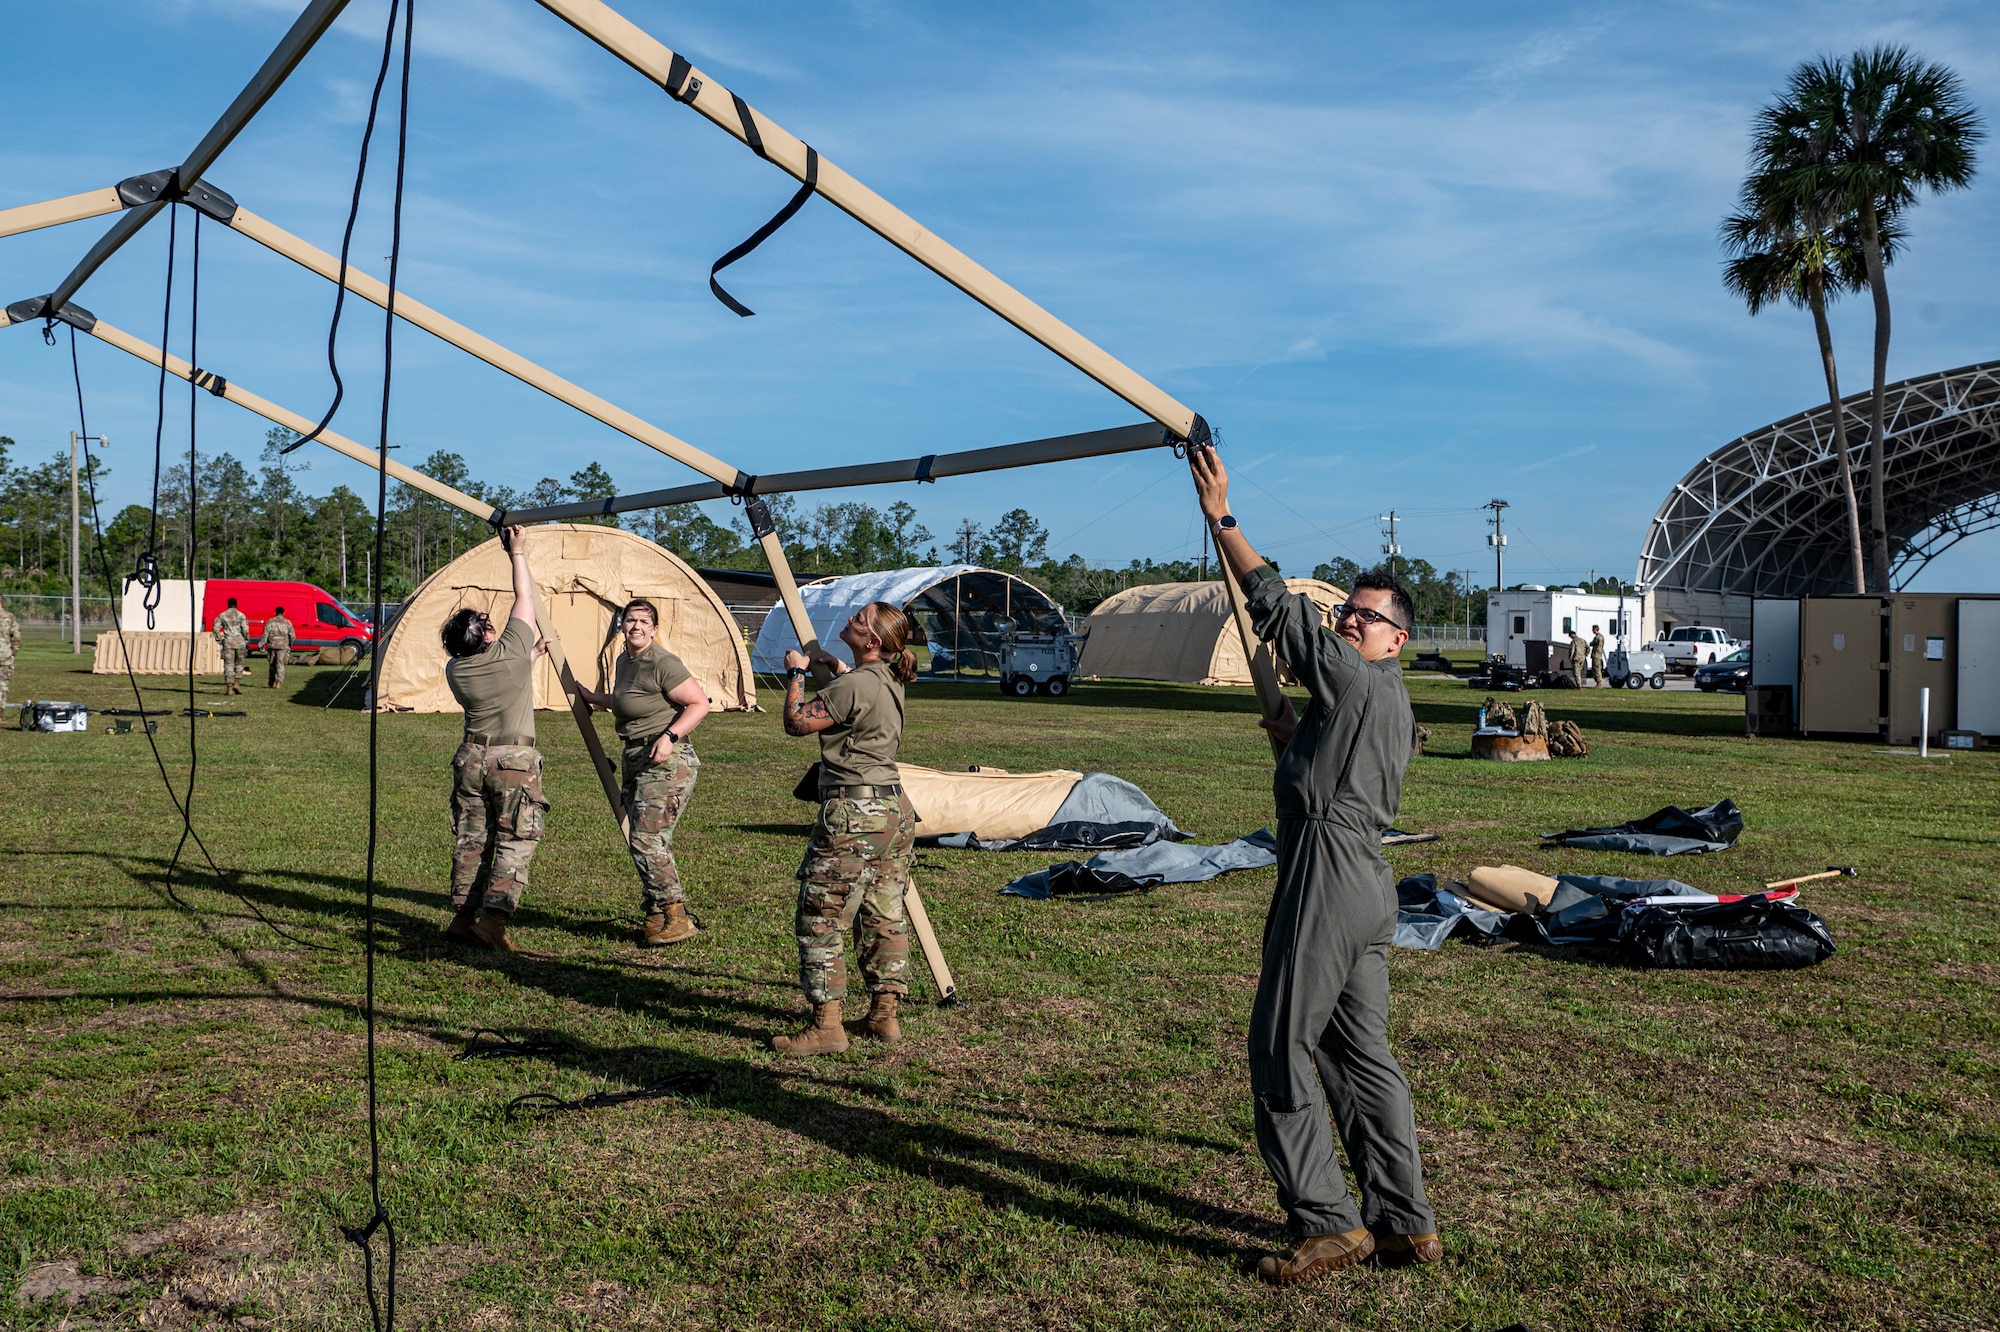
pixel 1366 616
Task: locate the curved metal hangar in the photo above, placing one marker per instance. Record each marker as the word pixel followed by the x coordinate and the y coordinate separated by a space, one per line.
pixel 1763 516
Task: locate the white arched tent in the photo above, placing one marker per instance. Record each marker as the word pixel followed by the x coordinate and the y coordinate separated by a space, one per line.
pixel 1178 631
pixel 586 575
pixel 960 610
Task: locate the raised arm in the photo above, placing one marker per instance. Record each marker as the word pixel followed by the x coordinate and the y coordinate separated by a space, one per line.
pixel 1211 487
pixel 515 539
pixel 802 716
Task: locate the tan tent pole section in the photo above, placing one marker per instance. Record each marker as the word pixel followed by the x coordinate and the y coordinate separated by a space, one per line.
pixel 306 30
pixel 1263 671
pixel 642 52
pixel 55 212
pixel 920 921
pixel 303 252
pixel 292 421
pixel 579 709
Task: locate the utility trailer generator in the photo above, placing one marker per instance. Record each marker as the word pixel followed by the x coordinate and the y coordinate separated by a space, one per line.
pixel 1044 663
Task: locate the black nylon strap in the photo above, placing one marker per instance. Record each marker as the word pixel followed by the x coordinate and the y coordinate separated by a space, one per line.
pixel 749 123
pixel 678 85
pixel 764 232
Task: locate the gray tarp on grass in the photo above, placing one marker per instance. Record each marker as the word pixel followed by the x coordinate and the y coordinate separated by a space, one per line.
pixel 1147 867
pixel 1100 811
pixel 1672 831
pixel 1580 911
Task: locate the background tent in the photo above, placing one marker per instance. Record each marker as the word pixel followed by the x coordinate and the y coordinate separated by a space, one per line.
pixel 586 574
pixel 961 611
pixel 1179 631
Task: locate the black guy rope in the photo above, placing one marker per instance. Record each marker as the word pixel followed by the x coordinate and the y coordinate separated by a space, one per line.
pixel 782 216
pixel 381 1312
pixel 223 878
pixel 346 241
pixel 540 1102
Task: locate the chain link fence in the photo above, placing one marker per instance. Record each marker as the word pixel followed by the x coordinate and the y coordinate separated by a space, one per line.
pixel 37 611
pixel 1448 638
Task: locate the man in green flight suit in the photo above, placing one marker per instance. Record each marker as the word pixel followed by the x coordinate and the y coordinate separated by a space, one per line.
pixel 1319 1027
pixel 497 809
pixel 232 634
pixel 277 645
pixel 10 644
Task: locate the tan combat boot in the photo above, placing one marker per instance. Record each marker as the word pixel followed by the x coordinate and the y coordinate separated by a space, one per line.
pixel 492 931
pixel 667 927
pixel 462 921
pixel 823 1035
pixel 1396 1250
pixel 1315 1256
pixel 881 1024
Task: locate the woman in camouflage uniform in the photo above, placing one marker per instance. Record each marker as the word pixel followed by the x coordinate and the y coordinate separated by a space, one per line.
pixel 858 862
pixel 657 703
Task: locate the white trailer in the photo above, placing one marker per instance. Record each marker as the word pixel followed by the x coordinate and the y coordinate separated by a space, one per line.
pixel 1528 624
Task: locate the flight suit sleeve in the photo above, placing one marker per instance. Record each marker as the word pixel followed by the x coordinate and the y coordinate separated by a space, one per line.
pixel 1324 662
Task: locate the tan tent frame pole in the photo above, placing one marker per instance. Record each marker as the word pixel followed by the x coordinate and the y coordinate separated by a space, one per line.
pixel 307 255
pixel 305 31
pixel 685 83
pixel 55 212
pixel 661 66
pixel 480 509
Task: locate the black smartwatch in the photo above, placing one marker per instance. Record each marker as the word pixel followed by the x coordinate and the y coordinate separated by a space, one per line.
pixel 669 733
pixel 1227 522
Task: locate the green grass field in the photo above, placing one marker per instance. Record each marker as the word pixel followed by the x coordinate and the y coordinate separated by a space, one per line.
pixel 181 1098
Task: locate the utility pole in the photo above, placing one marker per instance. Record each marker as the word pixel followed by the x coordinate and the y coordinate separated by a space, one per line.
pixel 1496 539
pixel 76 542
pixel 1389 547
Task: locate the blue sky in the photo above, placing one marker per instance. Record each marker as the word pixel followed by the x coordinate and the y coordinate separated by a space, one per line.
pixel 1408 256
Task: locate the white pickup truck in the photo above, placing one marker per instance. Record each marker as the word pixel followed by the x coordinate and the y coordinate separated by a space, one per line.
pixel 1687 646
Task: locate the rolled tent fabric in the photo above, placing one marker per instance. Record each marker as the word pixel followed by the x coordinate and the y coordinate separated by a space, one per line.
pixel 1672 831
pixel 991 803
pixel 1099 812
pixel 586 574
pixel 1509 888
pixel 153 652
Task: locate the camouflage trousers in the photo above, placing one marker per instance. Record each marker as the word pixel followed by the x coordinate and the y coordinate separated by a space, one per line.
pixel 232 665
pixel 497 814
pixel 655 795
pixel 277 657
pixel 853 877
pixel 6 675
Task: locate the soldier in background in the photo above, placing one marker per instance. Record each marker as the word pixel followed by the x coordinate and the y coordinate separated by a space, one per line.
pixel 232 634
pixel 277 645
pixel 1577 655
pixel 497 809
pixel 10 643
pixel 1597 654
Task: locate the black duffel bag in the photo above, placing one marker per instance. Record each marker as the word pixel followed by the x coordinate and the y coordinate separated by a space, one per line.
pixel 1752 935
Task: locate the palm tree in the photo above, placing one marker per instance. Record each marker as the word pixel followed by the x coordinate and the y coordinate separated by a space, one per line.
pixel 1807 262
pixel 1864 136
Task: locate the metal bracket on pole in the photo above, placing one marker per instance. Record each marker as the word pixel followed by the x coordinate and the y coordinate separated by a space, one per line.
pixel 164 187
pixel 42 307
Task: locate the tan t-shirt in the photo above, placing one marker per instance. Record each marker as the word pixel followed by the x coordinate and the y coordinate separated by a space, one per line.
pixel 639 688
pixel 866 705
pixel 497 687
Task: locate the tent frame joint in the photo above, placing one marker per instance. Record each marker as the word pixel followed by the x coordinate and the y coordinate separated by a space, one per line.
pixel 164 187
pixel 42 307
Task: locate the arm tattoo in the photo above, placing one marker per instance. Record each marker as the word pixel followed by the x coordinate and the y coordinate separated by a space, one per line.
pixel 798 711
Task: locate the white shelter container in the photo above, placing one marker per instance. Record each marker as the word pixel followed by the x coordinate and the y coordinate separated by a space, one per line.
pixel 1527 624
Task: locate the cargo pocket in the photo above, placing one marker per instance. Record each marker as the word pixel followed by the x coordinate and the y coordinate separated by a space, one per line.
pixel 530 817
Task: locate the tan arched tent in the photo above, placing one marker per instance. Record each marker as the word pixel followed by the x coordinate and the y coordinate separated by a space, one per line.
pixel 1179 631
pixel 586 573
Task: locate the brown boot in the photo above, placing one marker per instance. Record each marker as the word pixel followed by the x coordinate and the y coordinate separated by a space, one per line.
pixel 1315 1256
pixel 462 920
pixel 667 927
pixel 492 931
pixel 1396 1250
pixel 880 1024
pixel 823 1035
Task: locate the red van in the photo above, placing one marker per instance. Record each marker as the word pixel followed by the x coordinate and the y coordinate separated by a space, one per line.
pixel 318 618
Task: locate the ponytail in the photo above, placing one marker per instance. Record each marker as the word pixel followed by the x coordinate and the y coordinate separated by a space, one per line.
pixel 891 628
